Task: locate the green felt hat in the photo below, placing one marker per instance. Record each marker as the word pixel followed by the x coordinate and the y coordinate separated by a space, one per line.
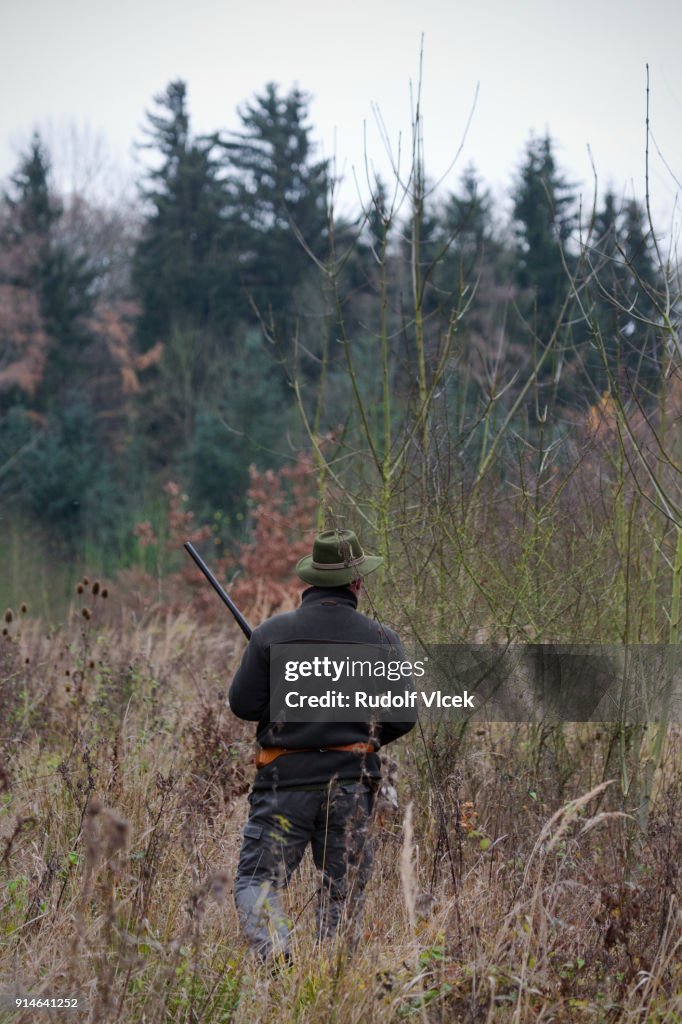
pixel 336 561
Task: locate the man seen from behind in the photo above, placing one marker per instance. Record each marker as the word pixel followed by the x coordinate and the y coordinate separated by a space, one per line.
pixel 315 781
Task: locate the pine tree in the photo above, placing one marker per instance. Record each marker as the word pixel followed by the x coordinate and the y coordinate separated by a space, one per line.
pixel 468 213
pixel 544 218
pixel 466 234
pixel 52 365
pixel 543 212
pixel 277 201
pixel 60 281
pixel 36 208
pixel 180 268
pixel 378 219
pixel 623 290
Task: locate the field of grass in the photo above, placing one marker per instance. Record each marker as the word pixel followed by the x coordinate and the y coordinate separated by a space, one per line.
pixel 512 884
pixel 521 481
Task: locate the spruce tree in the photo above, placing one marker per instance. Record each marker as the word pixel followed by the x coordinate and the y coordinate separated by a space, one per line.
pixel 623 290
pixel 378 218
pixel 544 218
pixel 466 233
pixel 60 280
pixel 63 468
pixel 277 206
pixel 36 207
pixel 180 270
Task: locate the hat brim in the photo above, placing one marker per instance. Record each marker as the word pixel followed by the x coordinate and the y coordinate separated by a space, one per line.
pixel 335 577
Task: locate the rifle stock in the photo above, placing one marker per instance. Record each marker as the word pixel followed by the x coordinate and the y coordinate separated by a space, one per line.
pixel 224 597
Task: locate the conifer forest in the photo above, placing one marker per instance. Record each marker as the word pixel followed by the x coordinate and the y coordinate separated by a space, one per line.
pixel 486 388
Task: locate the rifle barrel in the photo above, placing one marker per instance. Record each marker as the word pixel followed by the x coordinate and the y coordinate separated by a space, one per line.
pixel 224 597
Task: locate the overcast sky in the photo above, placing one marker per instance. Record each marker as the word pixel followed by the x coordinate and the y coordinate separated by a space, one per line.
pixel 577 70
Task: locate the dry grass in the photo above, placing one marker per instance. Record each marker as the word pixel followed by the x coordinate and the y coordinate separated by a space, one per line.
pixel 509 887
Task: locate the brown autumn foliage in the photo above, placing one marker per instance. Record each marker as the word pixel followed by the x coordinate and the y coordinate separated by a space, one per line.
pixel 24 342
pixel 112 326
pixel 112 368
pixel 282 509
pixel 259 572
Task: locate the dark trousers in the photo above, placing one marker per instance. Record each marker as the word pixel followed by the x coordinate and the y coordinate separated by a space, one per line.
pixel 335 821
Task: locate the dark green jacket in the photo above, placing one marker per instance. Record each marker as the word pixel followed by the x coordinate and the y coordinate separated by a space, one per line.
pixel 329 615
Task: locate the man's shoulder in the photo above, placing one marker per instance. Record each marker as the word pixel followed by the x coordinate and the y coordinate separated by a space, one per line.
pixel 354 625
pixel 275 625
pixel 383 633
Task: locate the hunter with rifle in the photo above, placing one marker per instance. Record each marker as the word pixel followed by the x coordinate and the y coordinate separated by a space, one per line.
pixel 315 782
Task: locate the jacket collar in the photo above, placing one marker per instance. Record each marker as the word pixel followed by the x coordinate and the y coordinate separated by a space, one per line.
pixel 337 595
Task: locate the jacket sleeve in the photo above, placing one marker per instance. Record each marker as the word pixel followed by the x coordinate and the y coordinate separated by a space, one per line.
pixel 387 732
pixel 249 694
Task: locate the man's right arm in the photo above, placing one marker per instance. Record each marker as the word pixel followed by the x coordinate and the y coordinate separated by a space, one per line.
pixel 249 694
pixel 389 731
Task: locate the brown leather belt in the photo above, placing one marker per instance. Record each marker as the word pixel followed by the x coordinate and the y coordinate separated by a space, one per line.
pixel 266 755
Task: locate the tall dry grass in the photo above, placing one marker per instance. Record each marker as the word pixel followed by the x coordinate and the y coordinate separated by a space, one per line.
pixel 506 887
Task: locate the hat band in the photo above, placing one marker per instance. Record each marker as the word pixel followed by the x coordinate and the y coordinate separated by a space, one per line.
pixel 338 565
